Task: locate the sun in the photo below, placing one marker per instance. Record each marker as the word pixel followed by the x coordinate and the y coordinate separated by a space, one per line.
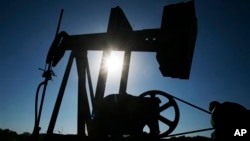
pixel 114 62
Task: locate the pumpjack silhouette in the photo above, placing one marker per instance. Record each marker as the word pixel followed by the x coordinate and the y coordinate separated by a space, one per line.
pixel 123 115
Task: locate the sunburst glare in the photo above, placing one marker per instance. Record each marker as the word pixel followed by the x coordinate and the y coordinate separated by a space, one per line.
pixel 114 62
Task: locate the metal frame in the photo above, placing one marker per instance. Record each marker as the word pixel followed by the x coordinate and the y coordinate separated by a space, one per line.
pixel 127 40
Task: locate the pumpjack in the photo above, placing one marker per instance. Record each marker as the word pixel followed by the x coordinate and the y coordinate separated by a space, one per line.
pixel 123 114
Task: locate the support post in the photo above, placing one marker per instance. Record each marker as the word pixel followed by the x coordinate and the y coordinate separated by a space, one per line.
pixel 83 104
pixel 60 96
pixel 102 78
pixel 125 71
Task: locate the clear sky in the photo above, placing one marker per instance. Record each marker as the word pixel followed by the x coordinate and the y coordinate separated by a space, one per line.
pixel 220 69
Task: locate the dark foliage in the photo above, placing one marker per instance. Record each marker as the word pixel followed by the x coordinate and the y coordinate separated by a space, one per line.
pixel 8 135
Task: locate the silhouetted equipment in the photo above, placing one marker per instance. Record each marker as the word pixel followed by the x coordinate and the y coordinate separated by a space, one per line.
pixel 179 30
pixel 118 115
pixel 56 52
pixel 47 75
pixel 122 114
pixel 227 118
pixel 170 103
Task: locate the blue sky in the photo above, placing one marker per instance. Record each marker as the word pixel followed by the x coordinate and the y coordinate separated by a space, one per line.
pixel 220 69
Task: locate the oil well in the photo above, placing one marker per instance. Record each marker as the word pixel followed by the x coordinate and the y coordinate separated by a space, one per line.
pixel 111 116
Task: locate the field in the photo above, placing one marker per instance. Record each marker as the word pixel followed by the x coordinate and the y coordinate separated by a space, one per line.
pixel 8 135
